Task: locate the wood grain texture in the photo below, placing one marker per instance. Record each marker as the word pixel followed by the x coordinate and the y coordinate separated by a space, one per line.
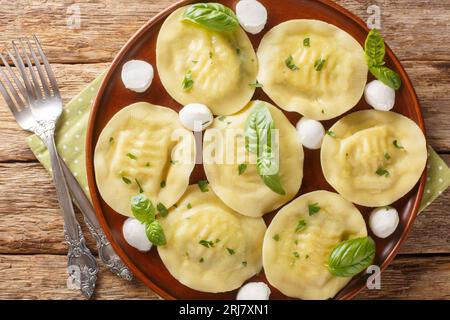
pixel 44 277
pixel 106 25
pixel 430 79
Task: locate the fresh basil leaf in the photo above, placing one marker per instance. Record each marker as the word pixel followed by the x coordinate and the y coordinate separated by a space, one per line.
pixel 350 257
pixel 155 233
pixel 374 49
pixel 319 64
pixel 241 168
pixel 203 185
pixel 162 210
pixel 142 208
pixel 290 63
pixel 387 76
pixel 188 82
pixel 258 125
pixel 213 16
pixel 274 183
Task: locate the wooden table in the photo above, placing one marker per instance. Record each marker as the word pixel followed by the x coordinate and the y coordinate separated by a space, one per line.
pixel 32 250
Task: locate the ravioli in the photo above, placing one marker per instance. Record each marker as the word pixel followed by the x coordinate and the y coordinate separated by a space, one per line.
pixel 224 151
pixel 297 244
pixel 143 147
pixel 313 68
pixel 210 247
pixel 374 157
pixel 197 65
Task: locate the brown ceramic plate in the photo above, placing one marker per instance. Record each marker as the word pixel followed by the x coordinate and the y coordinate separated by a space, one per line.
pixel 112 97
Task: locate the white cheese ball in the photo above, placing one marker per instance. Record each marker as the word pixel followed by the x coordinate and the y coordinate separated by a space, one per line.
pixel 134 234
pixel 379 96
pixel 137 75
pixel 254 291
pixel 195 117
pixel 311 133
pixel 252 15
pixel 383 221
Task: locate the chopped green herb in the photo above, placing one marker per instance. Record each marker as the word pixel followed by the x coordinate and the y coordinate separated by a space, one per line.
pixel 276 237
pixel 175 205
pixel 201 260
pixel 189 206
pixel 163 184
pixel 256 85
pixel 221 118
pixel 382 172
pixel 244 263
pixel 194 61
pixel 397 145
pixel 323 111
pixel 111 140
pixel 188 82
pixel 147 164
pixel 331 133
pixel 131 156
pixel 231 251
pixel 307 42
pixel 162 209
pixel 206 243
pixel 300 226
pixel 290 63
pixel 387 156
pixel 203 185
pixel 296 241
pixel 296 254
pixel 241 168
pixel 139 185
pixel 319 64
pixel 186 254
pixel 307 256
pixel 238 50
pixel 313 208
pixel 211 55
pixel 126 180
pixel 217 240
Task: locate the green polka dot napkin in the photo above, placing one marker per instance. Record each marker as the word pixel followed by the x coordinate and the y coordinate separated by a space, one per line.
pixel 71 132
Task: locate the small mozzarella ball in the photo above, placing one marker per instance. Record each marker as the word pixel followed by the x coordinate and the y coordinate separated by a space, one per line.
pixel 379 96
pixel 383 221
pixel 134 234
pixel 137 75
pixel 311 133
pixel 252 15
pixel 254 291
pixel 196 117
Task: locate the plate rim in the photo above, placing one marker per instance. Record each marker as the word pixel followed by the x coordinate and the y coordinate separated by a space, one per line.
pixel 90 147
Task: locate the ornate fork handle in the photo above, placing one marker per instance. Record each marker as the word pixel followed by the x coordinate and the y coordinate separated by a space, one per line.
pixel 105 251
pixel 79 255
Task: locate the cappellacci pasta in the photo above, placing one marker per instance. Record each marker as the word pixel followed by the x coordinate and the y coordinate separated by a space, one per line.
pixel 299 240
pixel 373 158
pixel 198 65
pixel 243 189
pixel 210 247
pixel 143 148
pixel 313 68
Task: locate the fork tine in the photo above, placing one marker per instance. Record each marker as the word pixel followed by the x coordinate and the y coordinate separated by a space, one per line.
pixel 14 76
pixel 49 70
pixel 12 90
pixel 8 99
pixel 44 81
pixel 19 64
pixel 35 82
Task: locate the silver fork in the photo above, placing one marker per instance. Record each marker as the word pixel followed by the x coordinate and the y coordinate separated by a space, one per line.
pixel 37 108
pixel 105 251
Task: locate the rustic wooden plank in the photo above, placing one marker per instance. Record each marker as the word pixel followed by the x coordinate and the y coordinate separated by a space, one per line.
pixel 44 277
pixel 106 25
pixel 431 81
pixel 72 79
pixel 30 222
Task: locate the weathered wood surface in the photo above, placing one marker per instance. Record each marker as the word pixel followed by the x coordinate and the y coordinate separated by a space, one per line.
pixel 32 251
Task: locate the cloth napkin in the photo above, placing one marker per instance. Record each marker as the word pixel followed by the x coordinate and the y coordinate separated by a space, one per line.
pixel 71 133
